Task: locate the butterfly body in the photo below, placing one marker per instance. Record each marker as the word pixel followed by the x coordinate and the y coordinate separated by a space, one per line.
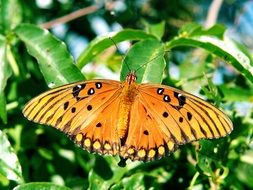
pixel 127 98
pixel 136 121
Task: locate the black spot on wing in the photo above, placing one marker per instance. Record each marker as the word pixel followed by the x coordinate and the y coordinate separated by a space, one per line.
pixel 160 91
pixel 77 89
pixel 66 105
pixel 73 109
pixel 181 98
pixel 98 85
pixel 166 98
pixel 91 91
pixel 165 114
pixel 99 125
pixel 146 132
pixel 189 116
pixel 89 107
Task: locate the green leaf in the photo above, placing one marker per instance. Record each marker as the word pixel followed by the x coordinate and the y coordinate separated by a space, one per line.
pixel 3 111
pixel 103 175
pixel 194 29
pixel 236 93
pixel 99 44
pixel 225 49
pixel 212 92
pixel 9 164
pixel 213 149
pixel 41 186
pixel 210 155
pixel 217 30
pixel 189 29
pixel 146 59
pixel 135 181
pixel 191 79
pixel 10 14
pixel 244 169
pixel 204 166
pixel 5 73
pixel 55 62
pixel 156 29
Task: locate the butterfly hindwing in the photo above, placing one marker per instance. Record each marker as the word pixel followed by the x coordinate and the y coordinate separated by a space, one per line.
pixel 147 137
pixel 99 134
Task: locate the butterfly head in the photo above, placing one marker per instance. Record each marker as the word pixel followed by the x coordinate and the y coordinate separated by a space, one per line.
pixel 131 77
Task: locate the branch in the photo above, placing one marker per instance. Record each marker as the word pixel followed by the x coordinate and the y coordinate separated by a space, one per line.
pixel 213 13
pixel 69 17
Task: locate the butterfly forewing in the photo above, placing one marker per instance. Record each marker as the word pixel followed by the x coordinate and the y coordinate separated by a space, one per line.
pixel 80 110
pixel 191 117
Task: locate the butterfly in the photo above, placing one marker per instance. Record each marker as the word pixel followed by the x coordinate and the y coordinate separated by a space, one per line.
pixel 136 121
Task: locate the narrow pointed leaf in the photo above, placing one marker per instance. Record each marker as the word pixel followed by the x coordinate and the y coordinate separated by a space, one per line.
pixel 99 44
pixel 9 164
pixel 225 49
pixel 5 73
pixel 10 14
pixel 156 29
pixel 55 62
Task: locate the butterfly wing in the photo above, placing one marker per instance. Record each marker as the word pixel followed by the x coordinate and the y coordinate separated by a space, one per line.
pixel 146 135
pixel 163 117
pixel 80 110
pixel 160 119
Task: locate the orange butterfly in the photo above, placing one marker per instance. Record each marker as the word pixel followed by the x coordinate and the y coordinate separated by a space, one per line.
pixel 136 121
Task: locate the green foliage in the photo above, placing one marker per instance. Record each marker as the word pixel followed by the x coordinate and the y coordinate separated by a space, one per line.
pixel 5 73
pixel 224 48
pixel 40 185
pixel 11 14
pixel 99 44
pixel 150 63
pixel 156 29
pixel 10 166
pixel 55 62
pixel 40 157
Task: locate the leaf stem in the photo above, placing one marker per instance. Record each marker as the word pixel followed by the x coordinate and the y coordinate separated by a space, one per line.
pixel 196 175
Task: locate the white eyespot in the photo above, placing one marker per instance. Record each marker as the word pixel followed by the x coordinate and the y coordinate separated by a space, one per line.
pixel 79 86
pixel 98 85
pixel 91 91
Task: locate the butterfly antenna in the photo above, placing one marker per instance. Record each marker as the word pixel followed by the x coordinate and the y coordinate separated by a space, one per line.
pixel 151 60
pixel 123 57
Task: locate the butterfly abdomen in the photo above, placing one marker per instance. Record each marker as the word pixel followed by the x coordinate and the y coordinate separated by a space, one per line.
pixel 129 93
